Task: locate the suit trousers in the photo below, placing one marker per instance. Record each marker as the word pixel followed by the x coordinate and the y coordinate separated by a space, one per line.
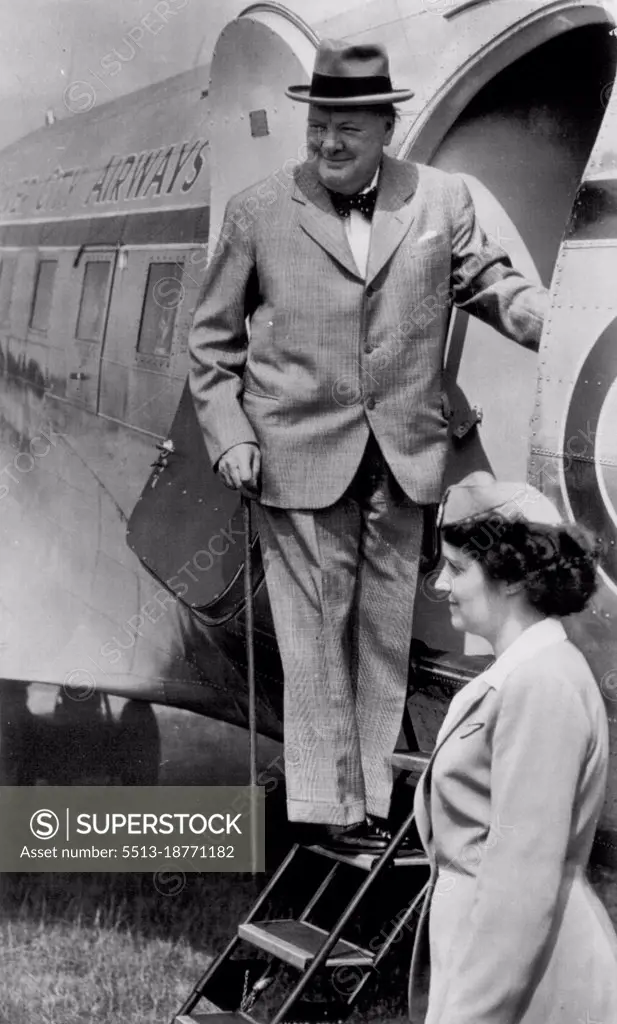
pixel 341 582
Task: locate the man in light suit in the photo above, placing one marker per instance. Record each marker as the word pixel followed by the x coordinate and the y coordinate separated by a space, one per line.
pixel 331 406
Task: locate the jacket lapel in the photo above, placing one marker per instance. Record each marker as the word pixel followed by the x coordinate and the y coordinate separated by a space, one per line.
pixel 423 796
pixel 319 220
pixel 394 213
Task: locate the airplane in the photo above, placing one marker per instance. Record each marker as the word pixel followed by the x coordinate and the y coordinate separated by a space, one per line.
pixel 106 217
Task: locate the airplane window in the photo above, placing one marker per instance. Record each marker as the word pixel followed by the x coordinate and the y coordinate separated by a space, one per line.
pixel 7 275
pixel 43 292
pixel 93 303
pixel 164 294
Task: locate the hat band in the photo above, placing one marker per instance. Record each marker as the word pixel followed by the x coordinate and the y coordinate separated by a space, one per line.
pixel 332 87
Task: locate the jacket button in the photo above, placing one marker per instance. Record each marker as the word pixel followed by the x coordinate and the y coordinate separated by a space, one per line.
pixel 370 291
pixel 368 348
pixel 370 402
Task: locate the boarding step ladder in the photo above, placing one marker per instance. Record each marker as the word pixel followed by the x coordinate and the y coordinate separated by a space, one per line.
pixel 315 965
pixel 329 956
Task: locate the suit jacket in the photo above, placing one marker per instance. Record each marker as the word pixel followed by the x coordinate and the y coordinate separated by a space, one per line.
pixel 507 811
pixel 328 353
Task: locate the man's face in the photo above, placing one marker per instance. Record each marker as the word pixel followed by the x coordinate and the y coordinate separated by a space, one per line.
pixel 347 145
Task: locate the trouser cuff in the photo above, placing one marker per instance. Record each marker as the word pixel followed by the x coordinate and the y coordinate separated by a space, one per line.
pixel 316 813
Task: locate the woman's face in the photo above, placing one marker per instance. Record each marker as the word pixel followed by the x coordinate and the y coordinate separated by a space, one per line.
pixel 475 601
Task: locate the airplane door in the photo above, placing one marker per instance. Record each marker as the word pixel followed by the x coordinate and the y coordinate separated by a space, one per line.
pixel 90 328
pixel 143 367
pixel 249 114
pixel 522 145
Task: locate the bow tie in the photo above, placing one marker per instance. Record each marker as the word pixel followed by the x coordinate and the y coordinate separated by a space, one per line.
pixel 362 201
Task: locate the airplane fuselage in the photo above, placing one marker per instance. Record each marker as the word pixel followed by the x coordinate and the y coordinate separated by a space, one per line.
pixel 105 219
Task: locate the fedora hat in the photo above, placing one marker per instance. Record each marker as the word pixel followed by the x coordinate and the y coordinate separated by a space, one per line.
pixel 349 76
pixel 479 494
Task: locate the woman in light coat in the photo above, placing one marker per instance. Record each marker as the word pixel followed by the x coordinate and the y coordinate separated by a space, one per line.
pixel 509 804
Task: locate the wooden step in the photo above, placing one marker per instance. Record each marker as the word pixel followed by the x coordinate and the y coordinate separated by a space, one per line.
pixel 297 942
pixel 413 762
pixel 216 1017
pixel 366 861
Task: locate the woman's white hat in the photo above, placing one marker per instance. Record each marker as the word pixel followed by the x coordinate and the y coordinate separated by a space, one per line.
pixel 479 494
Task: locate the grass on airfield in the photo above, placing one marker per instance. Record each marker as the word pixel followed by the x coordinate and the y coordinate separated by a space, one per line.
pixel 111 949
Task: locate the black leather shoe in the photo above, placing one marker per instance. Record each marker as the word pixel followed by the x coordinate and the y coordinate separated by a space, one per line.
pixel 308 833
pixel 381 830
pixel 361 838
pixel 314 834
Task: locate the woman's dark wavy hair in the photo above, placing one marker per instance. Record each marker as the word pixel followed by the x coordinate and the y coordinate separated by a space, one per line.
pixel 556 564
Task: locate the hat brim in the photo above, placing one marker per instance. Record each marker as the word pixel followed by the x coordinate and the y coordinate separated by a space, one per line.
pixel 302 93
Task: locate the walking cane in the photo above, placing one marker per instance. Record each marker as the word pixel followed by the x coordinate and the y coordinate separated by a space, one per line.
pixel 250 671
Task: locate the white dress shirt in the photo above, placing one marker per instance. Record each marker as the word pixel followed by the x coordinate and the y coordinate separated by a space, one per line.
pixel 358 230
